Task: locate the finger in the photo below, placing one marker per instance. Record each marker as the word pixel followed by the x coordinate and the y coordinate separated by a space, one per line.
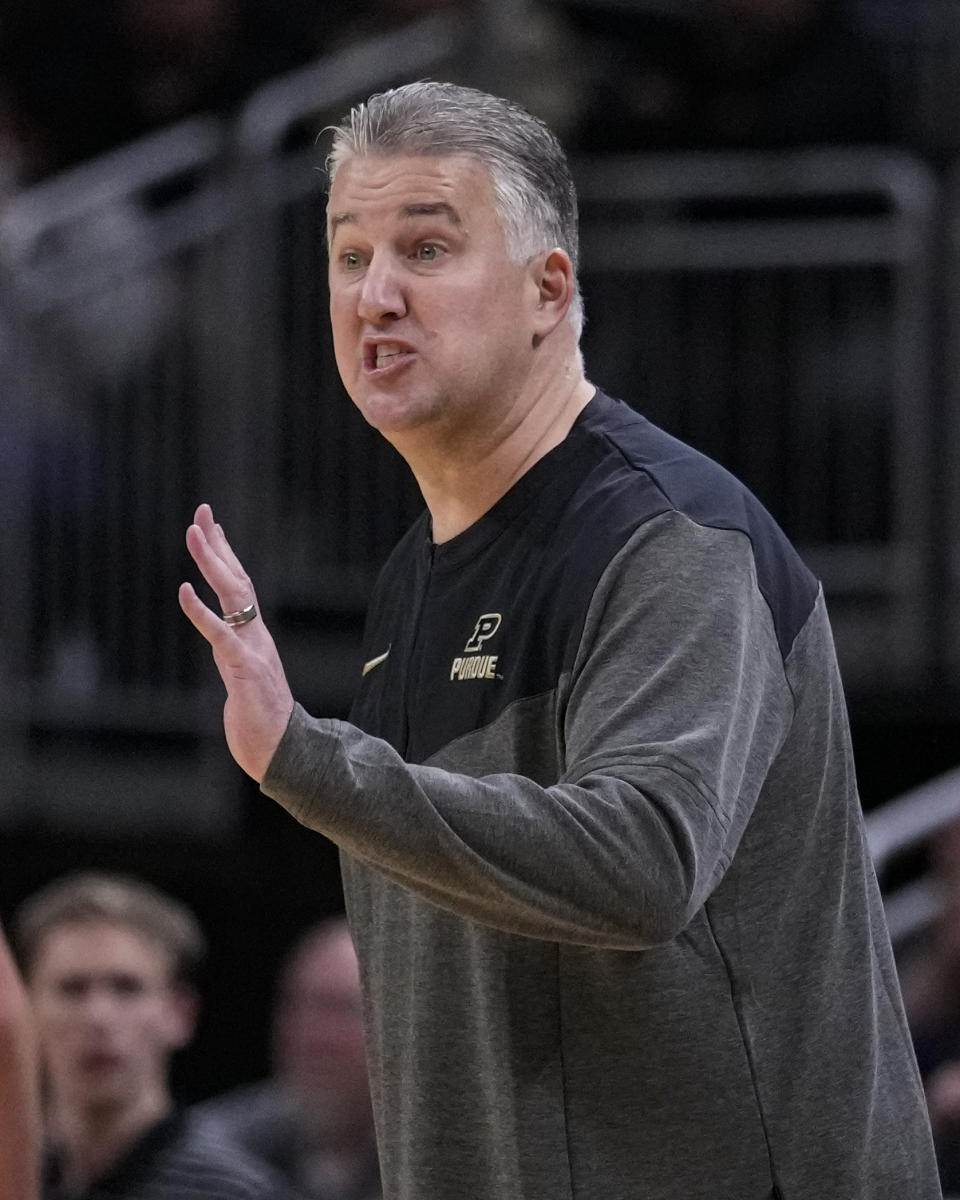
pixel 204 517
pixel 226 641
pixel 231 584
pixel 217 540
pixel 204 619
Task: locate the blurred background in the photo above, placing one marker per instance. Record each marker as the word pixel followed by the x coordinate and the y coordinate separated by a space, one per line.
pixel 770 194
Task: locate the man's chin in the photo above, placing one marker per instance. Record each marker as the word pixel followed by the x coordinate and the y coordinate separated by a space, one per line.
pixel 393 420
pixel 103 1092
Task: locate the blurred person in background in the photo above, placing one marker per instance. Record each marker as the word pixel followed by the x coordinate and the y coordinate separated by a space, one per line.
pixel 312 1120
pixel 19 1091
pixel 108 962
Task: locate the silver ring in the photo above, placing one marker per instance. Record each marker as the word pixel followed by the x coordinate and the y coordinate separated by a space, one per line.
pixel 241 616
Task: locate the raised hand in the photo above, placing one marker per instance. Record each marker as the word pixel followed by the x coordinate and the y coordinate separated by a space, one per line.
pixel 259 701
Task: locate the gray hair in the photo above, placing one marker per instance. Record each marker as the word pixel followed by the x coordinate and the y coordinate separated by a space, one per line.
pixel 535 196
pixel 117 900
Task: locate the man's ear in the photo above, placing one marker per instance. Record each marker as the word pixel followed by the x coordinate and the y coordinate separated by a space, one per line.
pixel 552 274
pixel 183 1009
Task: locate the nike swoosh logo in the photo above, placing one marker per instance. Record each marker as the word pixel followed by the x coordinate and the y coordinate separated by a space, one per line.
pixel 375 662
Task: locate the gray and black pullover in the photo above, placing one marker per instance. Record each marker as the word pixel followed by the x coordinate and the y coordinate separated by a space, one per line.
pixel 604 857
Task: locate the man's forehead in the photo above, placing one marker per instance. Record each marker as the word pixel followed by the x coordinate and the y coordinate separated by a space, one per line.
pixel 406 187
pixel 89 941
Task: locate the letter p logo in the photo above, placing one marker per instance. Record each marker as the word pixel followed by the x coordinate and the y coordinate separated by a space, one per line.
pixel 487 626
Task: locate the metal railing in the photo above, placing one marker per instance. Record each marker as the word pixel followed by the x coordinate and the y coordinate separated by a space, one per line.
pixel 156 286
pixel 280 110
pixel 114 283
pixel 775 310
pixel 904 824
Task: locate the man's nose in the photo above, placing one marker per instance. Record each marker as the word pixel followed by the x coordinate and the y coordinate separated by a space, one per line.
pixel 382 295
pixel 100 1005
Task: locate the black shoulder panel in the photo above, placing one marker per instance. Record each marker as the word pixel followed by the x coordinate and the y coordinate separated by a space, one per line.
pixel 709 495
pixel 496 614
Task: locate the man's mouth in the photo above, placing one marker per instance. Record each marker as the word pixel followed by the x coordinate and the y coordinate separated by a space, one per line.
pixel 100 1060
pixel 383 355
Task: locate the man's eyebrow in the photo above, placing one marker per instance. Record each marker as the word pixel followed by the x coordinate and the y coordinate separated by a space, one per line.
pixel 335 220
pixel 438 207
pixel 426 209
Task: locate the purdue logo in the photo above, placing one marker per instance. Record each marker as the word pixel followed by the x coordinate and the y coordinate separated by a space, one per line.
pixel 473 664
pixel 487 626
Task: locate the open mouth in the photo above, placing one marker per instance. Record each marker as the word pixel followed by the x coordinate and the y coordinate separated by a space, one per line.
pixel 384 355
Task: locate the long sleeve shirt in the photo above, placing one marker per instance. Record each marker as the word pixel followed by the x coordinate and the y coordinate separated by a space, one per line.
pixel 603 854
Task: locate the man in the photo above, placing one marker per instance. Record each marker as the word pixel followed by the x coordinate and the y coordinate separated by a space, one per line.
pixel 107 963
pixel 19 1091
pixel 618 929
pixel 312 1120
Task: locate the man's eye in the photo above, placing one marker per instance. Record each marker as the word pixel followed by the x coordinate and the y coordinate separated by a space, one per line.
pixel 74 987
pixel 127 985
pixel 350 260
pixel 428 252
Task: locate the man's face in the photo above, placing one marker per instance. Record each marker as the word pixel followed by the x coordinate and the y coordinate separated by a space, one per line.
pixel 432 323
pixel 107 1015
pixel 318 1029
